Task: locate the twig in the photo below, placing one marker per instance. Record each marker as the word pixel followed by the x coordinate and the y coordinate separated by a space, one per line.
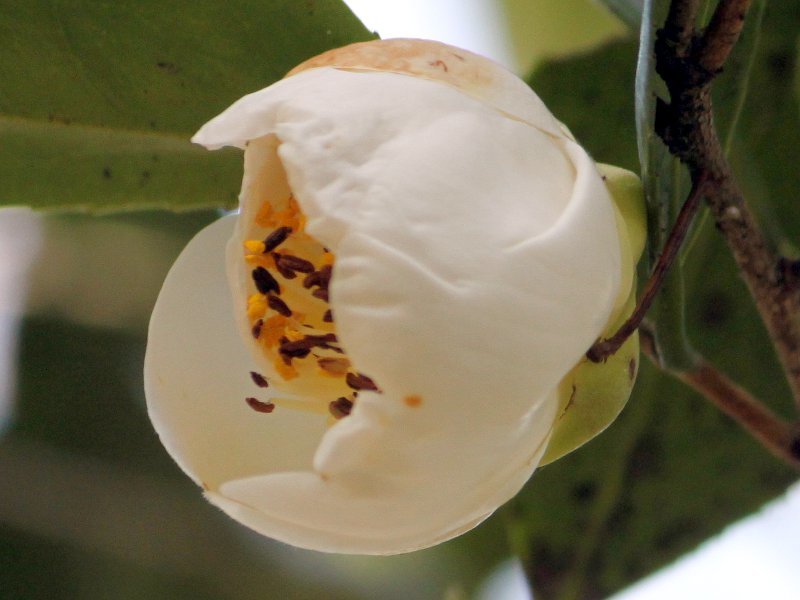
pixel 778 436
pixel 681 20
pixel 721 34
pixel 602 349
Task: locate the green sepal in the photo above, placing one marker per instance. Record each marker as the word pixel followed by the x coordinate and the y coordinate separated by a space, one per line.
pixel 592 395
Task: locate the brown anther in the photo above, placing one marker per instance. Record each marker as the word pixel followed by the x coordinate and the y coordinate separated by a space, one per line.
pixel 357 381
pixel 276 238
pixel 256 330
pixel 327 337
pixel 340 407
pixel 320 293
pixel 325 275
pixel 334 366
pixel 296 349
pixel 259 406
pixel 287 273
pixel 293 263
pixel 328 316
pixel 319 278
pixel 278 305
pixel 311 280
pixel 259 379
pixel 265 282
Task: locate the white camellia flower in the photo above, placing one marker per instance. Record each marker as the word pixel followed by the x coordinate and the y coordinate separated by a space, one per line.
pixel 368 357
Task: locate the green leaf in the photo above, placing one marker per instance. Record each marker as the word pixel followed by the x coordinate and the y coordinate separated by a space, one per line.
pixel 92 88
pixel 80 167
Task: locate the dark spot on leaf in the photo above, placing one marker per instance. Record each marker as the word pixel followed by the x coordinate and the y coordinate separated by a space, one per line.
pixel 168 67
pixel 620 517
pixel 647 458
pixel 780 65
pixel 584 492
pixel 106 173
pixel 715 310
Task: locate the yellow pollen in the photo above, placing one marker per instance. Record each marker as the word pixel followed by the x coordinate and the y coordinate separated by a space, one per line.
pixel 256 307
pixel 254 246
pixel 272 330
pixel 260 260
pixel 413 401
pixel 292 334
pixel 327 259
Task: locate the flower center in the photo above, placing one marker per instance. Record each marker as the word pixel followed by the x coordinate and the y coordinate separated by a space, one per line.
pixel 290 317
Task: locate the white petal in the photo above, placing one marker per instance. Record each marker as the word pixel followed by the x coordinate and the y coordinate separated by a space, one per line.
pixel 475 75
pixel 384 511
pixel 196 377
pixel 253 115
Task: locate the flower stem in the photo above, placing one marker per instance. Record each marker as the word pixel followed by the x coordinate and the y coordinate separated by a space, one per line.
pixel 602 349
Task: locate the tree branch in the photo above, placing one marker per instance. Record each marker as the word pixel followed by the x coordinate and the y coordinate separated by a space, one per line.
pixel 778 436
pixel 680 24
pixel 686 126
pixel 721 34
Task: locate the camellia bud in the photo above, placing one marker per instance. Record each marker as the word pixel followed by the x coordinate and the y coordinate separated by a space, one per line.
pixel 371 356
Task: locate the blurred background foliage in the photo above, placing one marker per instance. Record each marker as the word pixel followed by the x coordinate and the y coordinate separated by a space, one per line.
pixel 97 102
